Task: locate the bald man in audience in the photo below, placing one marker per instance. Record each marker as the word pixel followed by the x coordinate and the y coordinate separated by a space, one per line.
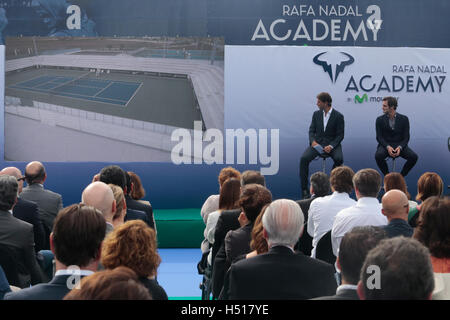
pixel 100 196
pixel 395 207
pixel 49 203
pixel 26 210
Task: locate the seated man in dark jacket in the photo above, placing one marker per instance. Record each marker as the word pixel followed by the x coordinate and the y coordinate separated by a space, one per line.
pixel 281 273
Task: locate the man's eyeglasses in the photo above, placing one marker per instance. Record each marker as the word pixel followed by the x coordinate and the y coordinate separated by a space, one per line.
pixel 21 179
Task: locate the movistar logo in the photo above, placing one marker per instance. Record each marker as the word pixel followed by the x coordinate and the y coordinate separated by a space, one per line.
pixel 361 99
pixel 338 67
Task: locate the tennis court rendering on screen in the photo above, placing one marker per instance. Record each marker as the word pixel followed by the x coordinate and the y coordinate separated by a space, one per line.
pixel 94 105
pixel 108 91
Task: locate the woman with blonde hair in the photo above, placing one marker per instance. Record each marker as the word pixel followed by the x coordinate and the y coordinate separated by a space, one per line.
pixel 134 245
pixel 121 205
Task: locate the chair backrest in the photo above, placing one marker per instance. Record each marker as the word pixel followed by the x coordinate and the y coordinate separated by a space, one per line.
pixel 10 262
pixel 324 249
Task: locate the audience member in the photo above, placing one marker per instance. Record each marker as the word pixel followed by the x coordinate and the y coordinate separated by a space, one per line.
pixel 26 210
pixel 366 211
pixel 76 243
pixel 253 198
pixel 433 231
pixel 429 184
pixel 228 220
pixel 134 245
pixel 121 206
pixel 49 203
pixel 395 180
pixel 258 243
pixel 17 234
pixel 212 202
pixel 115 175
pixel 4 285
pixel 118 284
pixel 100 196
pixel 252 176
pixel 353 250
pixel 324 209
pixel 229 197
pixel 395 207
pixel 281 273
pixel 319 187
pixel 137 189
pixel 397 269
pixel 138 205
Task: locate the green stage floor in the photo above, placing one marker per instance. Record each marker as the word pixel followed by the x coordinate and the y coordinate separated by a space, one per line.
pixel 179 228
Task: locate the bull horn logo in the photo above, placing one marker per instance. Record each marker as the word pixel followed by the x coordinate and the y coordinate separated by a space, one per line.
pixel 328 68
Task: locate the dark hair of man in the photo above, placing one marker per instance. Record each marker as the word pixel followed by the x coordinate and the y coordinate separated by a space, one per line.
pixel 121 283
pixel 429 184
pixel 391 102
pixel 341 179
pixel 252 176
pixel 253 198
pixel 395 180
pixel 78 232
pixel 368 182
pixel 115 175
pixel 405 270
pixel 8 192
pixel 325 97
pixel 354 248
pixel 38 177
pixel 320 183
pixel 229 194
pixel 433 226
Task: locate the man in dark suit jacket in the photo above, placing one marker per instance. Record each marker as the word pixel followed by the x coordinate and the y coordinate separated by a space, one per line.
pixel 281 273
pixel 352 252
pixel 326 133
pixel 49 203
pixel 73 259
pixel 26 210
pixel 15 233
pixel 393 136
pixel 319 187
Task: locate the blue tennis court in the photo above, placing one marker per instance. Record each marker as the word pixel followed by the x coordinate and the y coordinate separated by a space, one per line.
pixel 99 90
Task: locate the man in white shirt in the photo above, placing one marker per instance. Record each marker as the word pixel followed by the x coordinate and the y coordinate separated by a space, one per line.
pixel 366 212
pixel 323 210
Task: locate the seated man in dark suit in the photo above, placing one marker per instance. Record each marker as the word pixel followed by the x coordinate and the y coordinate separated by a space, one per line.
pixel 49 203
pixel 115 175
pixel 281 273
pixel 353 250
pixel 76 243
pixel 17 234
pixel 395 207
pixel 26 210
pixel 326 133
pixel 393 136
pixel 319 187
